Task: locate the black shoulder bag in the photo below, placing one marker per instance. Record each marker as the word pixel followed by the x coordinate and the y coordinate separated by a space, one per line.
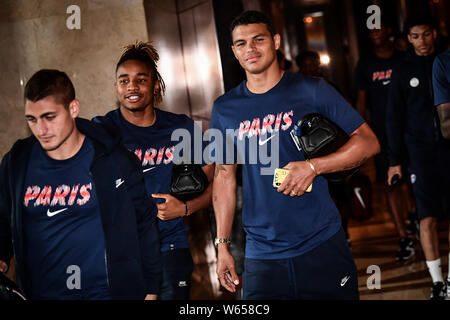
pixel 188 181
pixel 316 136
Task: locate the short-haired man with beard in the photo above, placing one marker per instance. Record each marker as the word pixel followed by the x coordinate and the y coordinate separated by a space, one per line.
pixel 412 121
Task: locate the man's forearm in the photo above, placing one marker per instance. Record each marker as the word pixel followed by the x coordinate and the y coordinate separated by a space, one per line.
pixel 204 200
pixel 224 198
pixel 444 117
pixel 362 145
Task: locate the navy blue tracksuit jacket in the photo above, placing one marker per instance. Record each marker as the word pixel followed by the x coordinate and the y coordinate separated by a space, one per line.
pixel 128 218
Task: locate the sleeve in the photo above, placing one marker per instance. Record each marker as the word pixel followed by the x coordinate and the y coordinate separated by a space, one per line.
pixel 361 81
pixel 332 105
pixel 148 234
pixel 6 249
pixel 441 86
pixel 395 117
pixel 222 142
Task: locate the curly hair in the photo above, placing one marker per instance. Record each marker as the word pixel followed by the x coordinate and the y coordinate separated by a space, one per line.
pixel 146 53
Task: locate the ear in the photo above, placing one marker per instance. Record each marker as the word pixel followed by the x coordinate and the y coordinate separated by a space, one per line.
pixel 277 40
pixel 434 34
pixel 409 38
pixel 157 87
pixel 234 52
pixel 74 108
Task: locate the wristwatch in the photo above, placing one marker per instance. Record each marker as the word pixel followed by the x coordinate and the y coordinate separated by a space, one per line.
pixel 221 240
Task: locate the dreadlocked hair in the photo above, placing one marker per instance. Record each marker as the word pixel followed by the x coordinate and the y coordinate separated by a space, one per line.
pixel 146 53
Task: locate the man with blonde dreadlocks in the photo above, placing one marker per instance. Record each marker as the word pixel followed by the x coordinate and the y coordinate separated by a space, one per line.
pixel 147 130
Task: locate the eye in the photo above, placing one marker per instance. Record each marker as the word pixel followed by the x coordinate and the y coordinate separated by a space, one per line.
pixel 124 81
pixel 142 80
pixel 31 120
pixel 50 118
pixel 239 44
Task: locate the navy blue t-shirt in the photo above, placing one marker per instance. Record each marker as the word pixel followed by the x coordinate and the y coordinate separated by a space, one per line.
pixel 279 226
pixel 155 149
pixel 441 78
pixel 373 75
pixel 64 238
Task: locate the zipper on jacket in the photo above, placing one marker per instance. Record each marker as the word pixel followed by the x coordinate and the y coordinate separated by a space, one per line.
pixel 106 259
pixel 106 268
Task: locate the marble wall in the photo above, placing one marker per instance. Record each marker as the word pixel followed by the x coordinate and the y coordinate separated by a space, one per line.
pixel 34 35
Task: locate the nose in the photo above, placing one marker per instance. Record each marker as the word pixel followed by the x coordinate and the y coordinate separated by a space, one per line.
pixel 251 46
pixel 42 128
pixel 132 85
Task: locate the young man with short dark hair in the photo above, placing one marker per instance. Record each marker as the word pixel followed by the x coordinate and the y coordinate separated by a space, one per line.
pixel 73 207
pixel 295 245
pixel 412 121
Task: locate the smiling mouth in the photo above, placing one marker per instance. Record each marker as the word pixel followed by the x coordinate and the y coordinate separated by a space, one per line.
pixel 133 97
pixel 253 58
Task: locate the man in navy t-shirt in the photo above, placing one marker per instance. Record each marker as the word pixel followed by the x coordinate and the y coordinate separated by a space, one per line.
pixel 295 246
pixel 147 131
pixel 73 205
pixel 373 77
pixel 412 121
pixel 441 87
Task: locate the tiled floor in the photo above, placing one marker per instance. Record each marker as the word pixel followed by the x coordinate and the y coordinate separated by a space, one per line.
pixel 374 242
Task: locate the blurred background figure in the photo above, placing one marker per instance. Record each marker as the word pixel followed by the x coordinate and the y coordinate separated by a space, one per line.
pixel 373 77
pixel 401 43
pixel 308 63
pixel 284 63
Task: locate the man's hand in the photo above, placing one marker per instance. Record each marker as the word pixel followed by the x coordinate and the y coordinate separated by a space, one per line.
pixel 151 297
pixel 171 209
pixel 3 266
pixel 300 177
pixel 226 269
pixel 392 171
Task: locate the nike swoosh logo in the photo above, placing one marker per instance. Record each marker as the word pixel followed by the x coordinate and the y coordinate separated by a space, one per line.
pixel 358 195
pixel 148 169
pixel 386 82
pixel 51 214
pixel 263 142
pixel 344 280
pixel 119 182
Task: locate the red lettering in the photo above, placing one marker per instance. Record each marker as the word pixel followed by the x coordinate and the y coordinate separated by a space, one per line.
pixel 278 121
pixel 267 124
pixel 388 74
pixel 73 194
pixel 85 194
pixel 44 196
pixel 60 195
pixel 138 153
pixel 169 155
pixel 160 155
pixel 243 128
pixel 254 129
pixel 287 120
pixel 149 156
pixel 32 193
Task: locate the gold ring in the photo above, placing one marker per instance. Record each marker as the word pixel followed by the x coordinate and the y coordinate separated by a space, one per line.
pixel 293 193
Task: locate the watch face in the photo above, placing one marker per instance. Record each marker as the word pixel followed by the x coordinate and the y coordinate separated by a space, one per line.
pixel 221 240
